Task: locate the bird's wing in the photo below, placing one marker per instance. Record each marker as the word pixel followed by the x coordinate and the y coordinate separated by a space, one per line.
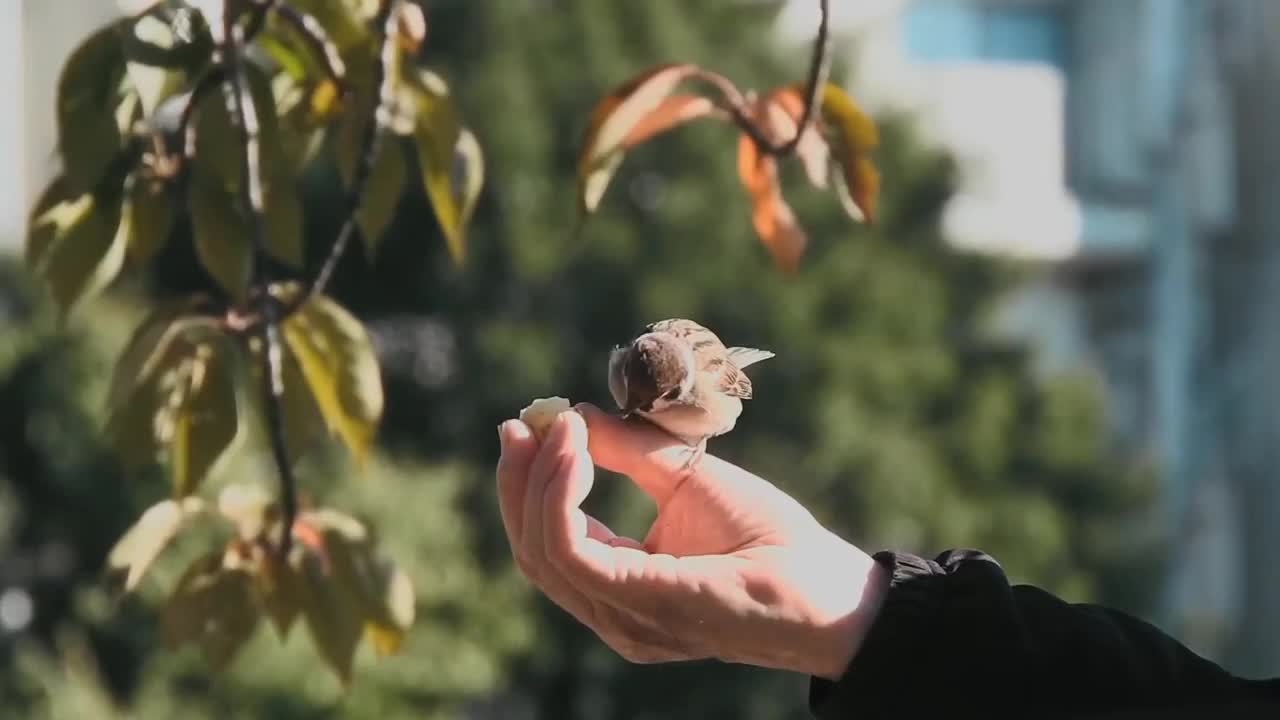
pixel 744 356
pixel 729 379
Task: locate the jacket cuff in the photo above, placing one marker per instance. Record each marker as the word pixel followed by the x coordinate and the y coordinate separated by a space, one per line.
pixel 897 636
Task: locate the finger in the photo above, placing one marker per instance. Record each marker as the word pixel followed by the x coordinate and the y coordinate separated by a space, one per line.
pixel 599 568
pixel 550 461
pixel 518 449
pixel 653 459
pixel 600 532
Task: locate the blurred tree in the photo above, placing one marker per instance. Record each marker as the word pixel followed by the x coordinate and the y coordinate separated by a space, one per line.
pixel 892 409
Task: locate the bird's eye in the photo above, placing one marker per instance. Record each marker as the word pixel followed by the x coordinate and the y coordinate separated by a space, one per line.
pixel 671 394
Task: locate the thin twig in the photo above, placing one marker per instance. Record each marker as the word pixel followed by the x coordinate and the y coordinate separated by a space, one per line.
pixel 240 105
pixel 370 145
pixel 819 71
pixel 314 35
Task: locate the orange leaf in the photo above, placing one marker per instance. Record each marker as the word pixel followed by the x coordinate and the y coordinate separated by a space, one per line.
pixel 785 108
pixel 673 111
pixel 773 218
pixel 615 119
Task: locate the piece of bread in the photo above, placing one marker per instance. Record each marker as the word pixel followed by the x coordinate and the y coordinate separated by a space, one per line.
pixel 542 412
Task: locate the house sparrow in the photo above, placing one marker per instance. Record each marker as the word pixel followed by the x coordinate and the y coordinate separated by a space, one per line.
pixel 678 375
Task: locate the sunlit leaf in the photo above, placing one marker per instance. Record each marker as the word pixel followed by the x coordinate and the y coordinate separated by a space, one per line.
pixel 411 27
pixel 147 218
pixel 783 110
pixel 342 19
pixel 774 220
pixel 88 136
pixel 221 235
pixel 385 183
pixel 248 507
pixel 468 173
pixel 614 118
pixel 205 416
pixel 672 112
pixel 438 135
pixel 853 136
pixel 73 245
pixel 139 547
pixel 337 360
pixel 213 607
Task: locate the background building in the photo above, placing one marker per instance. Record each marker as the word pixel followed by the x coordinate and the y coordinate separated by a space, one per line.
pixel 1125 144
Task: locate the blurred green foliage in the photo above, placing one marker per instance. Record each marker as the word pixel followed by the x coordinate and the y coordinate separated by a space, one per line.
pixel 892 410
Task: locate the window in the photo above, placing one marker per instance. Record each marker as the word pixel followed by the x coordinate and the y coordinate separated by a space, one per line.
pixel 959 30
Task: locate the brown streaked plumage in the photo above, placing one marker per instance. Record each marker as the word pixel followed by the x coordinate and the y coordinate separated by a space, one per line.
pixel 678 375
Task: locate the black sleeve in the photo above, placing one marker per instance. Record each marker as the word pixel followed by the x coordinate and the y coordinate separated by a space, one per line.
pixel 955 639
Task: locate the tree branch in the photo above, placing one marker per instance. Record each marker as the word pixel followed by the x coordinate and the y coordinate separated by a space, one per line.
pixel 370 145
pixel 244 116
pixel 314 35
pixel 819 71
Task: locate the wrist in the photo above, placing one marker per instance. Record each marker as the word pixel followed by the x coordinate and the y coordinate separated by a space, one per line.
pixel 847 599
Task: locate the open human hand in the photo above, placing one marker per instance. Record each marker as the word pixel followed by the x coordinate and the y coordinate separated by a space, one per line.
pixel 732 568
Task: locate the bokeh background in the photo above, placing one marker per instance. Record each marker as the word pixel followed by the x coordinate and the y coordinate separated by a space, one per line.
pixel 1058 344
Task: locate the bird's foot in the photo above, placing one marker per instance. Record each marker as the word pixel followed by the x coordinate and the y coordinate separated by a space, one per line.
pixel 693 455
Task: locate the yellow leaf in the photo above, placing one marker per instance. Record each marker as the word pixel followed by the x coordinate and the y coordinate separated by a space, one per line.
pixel 442 142
pixel 338 362
pixel 854 136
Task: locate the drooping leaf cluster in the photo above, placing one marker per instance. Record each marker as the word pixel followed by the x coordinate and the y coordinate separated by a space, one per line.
pixel 210 112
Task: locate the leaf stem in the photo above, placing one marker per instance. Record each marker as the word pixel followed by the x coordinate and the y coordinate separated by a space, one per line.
pixel 244 116
pixel 370 145
pixel 819 71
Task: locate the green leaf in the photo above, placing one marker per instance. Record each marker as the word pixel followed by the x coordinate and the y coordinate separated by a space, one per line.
pixel 139 547
pixel 88 136
pixel 337 359
pixel 383 591
pixel 205 415
pixel 283 222
pixel 173 394
pixel 438 135
pixel 73 245
pixel 219 150
pixel 213 607
pixel 333 614
pixel 281 593
pixel 146 219
pixel 386 180
pixel 376 597
pixel 221 236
